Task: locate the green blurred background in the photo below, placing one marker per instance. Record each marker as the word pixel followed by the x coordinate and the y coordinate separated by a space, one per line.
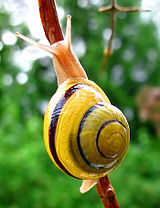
pixel 27 81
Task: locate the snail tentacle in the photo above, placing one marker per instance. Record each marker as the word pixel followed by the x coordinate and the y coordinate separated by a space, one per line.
pixel 66 63
pixel 68 33
pixel 35 43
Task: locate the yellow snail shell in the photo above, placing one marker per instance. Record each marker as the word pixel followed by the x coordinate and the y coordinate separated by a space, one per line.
pixel 85 136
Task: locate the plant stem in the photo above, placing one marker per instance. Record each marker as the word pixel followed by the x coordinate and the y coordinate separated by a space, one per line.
pixel 50 22
pixel 107 193
pixel 113 8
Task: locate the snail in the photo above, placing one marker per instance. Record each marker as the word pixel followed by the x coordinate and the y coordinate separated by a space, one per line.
pixel 85 135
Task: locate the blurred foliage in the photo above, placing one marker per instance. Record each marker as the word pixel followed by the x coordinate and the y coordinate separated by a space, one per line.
pixel 27 176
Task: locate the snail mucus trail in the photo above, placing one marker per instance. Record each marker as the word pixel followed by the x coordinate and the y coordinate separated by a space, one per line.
pixel 85 136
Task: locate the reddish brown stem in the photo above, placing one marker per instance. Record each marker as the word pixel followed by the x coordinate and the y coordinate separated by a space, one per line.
pixel 107 193
pixel 50 22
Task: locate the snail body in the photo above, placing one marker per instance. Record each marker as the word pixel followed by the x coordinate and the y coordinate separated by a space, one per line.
pixel 85 136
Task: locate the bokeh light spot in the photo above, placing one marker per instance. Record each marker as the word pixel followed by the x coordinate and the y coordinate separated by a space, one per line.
pixel 9 38
pixel 22 78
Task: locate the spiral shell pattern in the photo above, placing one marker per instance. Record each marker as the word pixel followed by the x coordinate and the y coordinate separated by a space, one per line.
pixel 85 136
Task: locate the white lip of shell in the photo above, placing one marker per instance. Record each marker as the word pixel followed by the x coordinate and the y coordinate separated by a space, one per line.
pixel 105 167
